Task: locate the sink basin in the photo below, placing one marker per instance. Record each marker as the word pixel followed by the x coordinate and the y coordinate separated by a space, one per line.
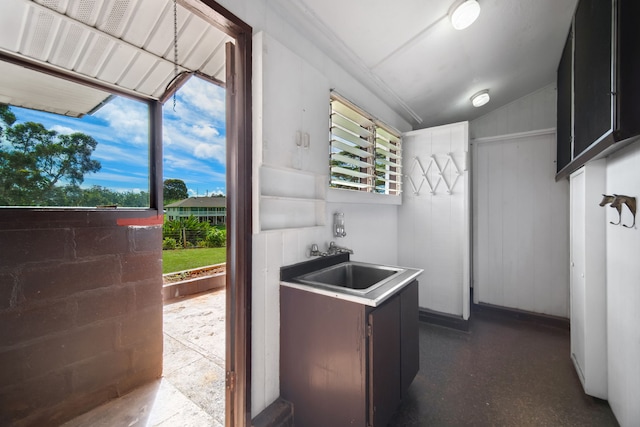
pixel 356 276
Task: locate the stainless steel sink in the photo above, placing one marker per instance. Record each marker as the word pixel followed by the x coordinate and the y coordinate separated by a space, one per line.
pixel 355 276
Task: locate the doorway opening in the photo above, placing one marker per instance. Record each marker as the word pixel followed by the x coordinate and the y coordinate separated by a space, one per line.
pixel 73 60
pixel 237 78
pixel 194 247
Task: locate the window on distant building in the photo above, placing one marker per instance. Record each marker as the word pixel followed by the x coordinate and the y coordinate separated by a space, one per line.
pixel 366 154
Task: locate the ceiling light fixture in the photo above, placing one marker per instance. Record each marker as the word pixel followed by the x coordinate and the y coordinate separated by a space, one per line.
pixel 480 98
pixel 464 13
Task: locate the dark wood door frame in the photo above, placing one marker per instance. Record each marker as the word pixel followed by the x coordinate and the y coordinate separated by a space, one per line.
pixel 239 211
pixel 238 319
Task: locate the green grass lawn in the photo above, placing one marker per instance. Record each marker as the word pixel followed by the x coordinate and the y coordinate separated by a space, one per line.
pixel 184 259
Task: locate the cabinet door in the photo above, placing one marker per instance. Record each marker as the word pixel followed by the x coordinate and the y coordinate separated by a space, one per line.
pixel 577 284
pixel 409 336
pixel 628 62
pixel 384 362
pixel 564 108
pixel 323 357
pixel 592 72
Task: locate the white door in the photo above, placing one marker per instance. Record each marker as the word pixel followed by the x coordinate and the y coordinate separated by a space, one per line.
pixel 521 225
pixel 577 272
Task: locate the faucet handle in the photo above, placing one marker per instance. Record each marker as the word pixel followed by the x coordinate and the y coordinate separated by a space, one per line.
pixel 314 251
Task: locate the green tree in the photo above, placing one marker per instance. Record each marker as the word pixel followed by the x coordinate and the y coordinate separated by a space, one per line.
pixel 33 160
pixel 6 116
pixel 174 190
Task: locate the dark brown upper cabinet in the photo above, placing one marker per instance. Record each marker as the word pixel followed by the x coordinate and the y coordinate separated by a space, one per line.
pixel 598 87
pixel 564 125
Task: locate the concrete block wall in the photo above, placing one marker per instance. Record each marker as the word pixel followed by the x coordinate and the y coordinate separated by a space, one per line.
pixel 80 311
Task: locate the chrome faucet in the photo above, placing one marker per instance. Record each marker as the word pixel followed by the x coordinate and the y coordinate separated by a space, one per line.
pixel 332 249
pixel 315 252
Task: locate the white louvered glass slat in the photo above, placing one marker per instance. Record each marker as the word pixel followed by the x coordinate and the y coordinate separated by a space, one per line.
pixel 365 156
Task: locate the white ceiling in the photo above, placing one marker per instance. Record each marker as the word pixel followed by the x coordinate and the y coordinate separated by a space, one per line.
pixel 409 54
pixel 404 50
pixel 124 44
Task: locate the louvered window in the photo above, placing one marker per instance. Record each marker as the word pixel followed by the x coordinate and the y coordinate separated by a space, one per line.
pixel 365 154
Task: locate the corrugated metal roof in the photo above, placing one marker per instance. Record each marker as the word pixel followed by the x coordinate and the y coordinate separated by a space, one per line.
pixel 200 202
pixel 27 88
pixel 125 44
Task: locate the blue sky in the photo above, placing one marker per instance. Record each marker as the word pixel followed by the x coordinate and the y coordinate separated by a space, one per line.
pixel 194 139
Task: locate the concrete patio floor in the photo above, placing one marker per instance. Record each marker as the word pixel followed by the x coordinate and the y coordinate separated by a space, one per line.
pixel 191 390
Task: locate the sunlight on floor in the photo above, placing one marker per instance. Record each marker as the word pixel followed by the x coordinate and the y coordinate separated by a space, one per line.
pixel 191 392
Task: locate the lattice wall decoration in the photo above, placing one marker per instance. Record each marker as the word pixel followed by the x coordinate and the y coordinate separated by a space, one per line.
pixel 433 174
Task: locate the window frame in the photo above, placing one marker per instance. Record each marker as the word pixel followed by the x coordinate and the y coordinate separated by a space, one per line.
pixel 154 136
pixel 370 149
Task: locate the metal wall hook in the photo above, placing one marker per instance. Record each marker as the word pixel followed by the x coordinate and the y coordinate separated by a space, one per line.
pixel 617 201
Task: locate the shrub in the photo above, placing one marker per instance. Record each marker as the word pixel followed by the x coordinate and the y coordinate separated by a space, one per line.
pixel 189 229
pixel 216 238
pixel 169 243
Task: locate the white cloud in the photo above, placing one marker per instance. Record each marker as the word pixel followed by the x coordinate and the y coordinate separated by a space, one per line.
pixel 198 140
pixel 106 176
pixel 176 165
pixel 205 131
pixel 205 97
pixel 122 155
pixel 210 151
pixel 63 130
pixel 128 120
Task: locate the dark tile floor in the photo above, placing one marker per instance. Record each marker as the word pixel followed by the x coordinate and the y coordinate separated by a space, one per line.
pixel 503 372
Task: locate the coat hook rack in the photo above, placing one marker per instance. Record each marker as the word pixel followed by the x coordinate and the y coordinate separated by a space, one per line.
pixel 435 173
pixel 617 201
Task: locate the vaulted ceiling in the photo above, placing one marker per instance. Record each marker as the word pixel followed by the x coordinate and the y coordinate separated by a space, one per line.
pixel 405 51
pixel 410 55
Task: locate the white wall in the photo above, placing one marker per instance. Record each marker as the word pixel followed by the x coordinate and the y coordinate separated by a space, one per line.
pixel 291 81
pixel 534 111
pixel 623 290
pixel 520 214
pixel 433 228
pixel 371 231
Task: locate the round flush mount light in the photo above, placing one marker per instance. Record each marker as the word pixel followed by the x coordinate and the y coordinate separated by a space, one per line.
pixel 480 98
pixel 464 13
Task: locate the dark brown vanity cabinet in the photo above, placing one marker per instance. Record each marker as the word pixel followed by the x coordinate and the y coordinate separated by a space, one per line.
pixel 345 363
pixel 598 85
